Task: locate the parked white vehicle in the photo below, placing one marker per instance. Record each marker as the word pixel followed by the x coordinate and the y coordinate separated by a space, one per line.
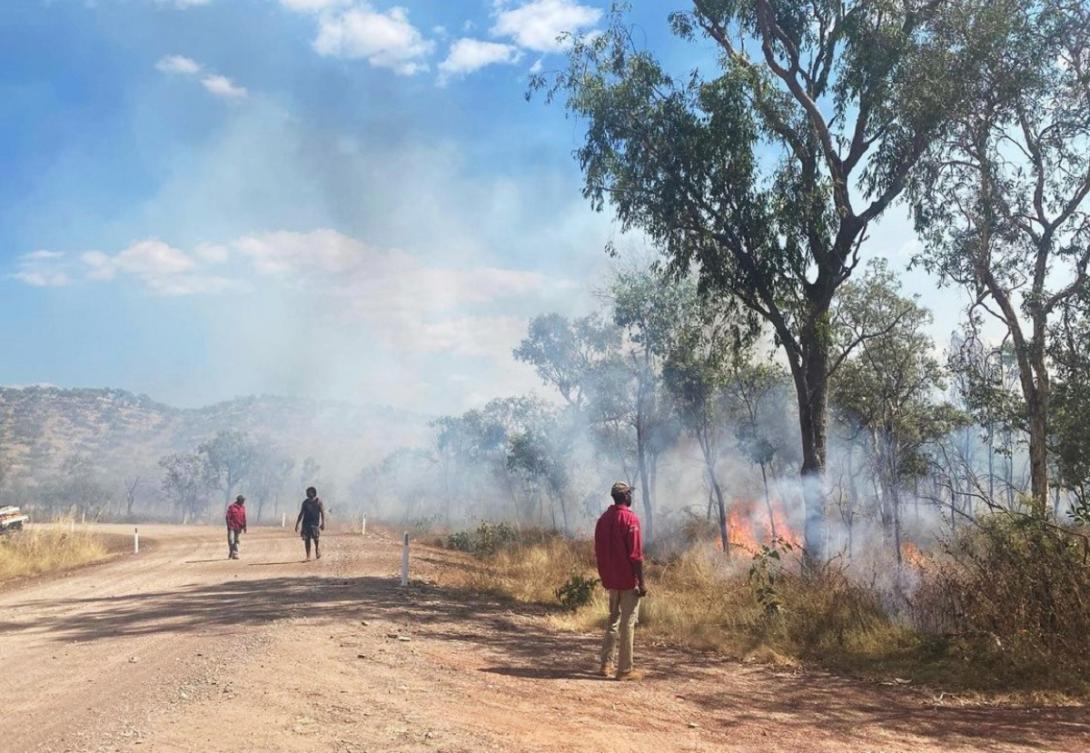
pixel 11 519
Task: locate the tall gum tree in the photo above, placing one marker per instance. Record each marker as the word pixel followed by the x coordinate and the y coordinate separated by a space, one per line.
pixel 1002 200
pixel 765 172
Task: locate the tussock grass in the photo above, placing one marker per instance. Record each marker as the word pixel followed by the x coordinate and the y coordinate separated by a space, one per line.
pixel 770 611
pixel 36 551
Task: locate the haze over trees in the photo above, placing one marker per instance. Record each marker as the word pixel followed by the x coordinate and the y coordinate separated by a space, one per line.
pixel 764 173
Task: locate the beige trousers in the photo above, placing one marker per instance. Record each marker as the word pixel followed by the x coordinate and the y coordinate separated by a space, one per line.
pixel 624 610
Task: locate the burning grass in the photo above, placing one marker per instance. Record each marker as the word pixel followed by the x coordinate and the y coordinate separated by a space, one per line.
pixel 37 551
pixel 981 623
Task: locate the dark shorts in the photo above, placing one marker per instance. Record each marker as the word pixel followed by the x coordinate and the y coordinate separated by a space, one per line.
pixel 310 532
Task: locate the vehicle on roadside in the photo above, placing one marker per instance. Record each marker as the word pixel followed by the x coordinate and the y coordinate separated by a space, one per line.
pixel 11 519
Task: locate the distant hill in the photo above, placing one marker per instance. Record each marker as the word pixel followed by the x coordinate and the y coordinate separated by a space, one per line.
pixel 121 433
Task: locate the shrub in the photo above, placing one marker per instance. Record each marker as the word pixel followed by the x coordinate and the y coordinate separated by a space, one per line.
pixel 577 592
pixel 1012 593
pixel 489 538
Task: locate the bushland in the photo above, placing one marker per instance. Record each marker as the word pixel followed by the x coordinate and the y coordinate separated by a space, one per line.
pixel 1001 608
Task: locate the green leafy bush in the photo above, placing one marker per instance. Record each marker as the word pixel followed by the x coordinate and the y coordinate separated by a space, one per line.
pixel 576 592
pixel 485 540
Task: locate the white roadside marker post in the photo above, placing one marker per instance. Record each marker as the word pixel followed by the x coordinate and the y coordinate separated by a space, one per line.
pixel 136 541
pixel 71 525
pixel 363 525
pixel 405 560
pixel 283 520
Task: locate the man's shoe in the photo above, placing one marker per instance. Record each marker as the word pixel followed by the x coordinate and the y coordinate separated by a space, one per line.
pixel 605 669
pixel 632 675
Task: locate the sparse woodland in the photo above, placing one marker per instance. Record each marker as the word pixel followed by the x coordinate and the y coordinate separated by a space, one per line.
pixel 817 478
pixel 765 387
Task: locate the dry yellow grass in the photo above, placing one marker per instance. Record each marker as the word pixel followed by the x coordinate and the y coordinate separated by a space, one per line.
pixel 700 600
pixel 36 551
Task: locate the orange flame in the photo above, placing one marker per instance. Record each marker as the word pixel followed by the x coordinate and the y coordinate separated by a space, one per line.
pixel 750 526
pixel 912 556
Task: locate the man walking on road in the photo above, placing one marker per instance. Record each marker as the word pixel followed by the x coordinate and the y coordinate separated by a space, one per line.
pixel 236 525
pixel 618 549
pixel 312 519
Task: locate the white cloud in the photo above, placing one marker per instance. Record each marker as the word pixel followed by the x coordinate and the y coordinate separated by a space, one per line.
pixel 537 24
pixel 404 301
pixel 224 87
pixel 212 253
pixel 467 55
pixel 312 6
pixel 43 269
pixel 385 40
pixel 183 4
pixel 178 64
pixel 217 84
pixel 161 268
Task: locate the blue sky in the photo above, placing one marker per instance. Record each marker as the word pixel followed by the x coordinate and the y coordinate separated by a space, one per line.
pixel 332 198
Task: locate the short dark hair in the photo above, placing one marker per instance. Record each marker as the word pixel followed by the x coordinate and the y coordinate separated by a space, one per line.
pixel 620 497
pixel 311 489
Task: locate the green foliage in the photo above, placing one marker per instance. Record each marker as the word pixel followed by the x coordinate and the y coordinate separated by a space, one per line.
pixel 185 482
pixel 487 539
pixel 1012 596
pixel 763 176
pixel 229 459
pixel 576 592
pixel 566 353
pixel 886 380
pixel 764 576
pixel 1070 425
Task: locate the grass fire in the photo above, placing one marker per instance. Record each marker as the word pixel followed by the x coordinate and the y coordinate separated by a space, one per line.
pixel 545 375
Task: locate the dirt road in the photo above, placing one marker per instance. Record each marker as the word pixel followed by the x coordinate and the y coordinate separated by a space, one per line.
pixel 179 649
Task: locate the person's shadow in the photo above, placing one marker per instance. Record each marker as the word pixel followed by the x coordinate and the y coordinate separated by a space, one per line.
pixel 547 673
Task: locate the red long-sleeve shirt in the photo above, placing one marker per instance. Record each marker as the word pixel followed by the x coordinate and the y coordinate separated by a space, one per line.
pixel 617 547
pixel 236 516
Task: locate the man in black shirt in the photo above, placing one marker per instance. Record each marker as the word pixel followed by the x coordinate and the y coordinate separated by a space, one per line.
pixel 312 519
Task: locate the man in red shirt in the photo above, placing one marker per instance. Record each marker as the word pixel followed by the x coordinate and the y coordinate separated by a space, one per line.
pixel 236 525
pixel 618 549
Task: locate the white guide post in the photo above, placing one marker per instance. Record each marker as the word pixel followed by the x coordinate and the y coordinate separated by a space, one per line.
pixel 283 520
pixel 405 560
pixel 136 541
pixel 71 525
pixel 363 525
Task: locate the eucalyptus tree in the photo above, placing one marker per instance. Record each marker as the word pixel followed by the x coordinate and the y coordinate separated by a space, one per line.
pixel 1002 204
pixel 765 169
pixel 887 388
pixel 229 458
pixel 541 452
pixel 653 311
pixel 566 353
pixel 272 469
pixel 696 373
pixel 1070 351
pixel 185 483
pixel 755 404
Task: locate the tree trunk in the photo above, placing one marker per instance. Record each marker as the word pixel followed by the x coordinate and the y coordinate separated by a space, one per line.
pixel 562 498
pixel 1038 450
pixel 768 503
pixel 709 464
pixel 811 386
pixel 642 466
